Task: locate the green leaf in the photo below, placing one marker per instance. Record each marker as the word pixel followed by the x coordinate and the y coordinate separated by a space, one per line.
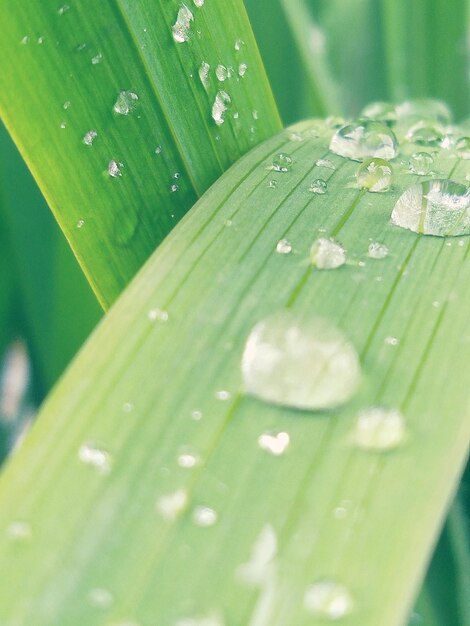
pixel 160 378
pixel 64 70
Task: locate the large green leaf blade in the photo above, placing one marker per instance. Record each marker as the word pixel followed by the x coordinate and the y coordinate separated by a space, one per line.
pixel 338 512
pixel 64 68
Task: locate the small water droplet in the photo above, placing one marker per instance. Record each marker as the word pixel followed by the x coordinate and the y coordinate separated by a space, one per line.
pixel 203 71
pixel 67 104
pixel 158 150
pixel 325 163
pixel 40 40
pixel 126 102
pixel 282 162
pixel 377 250
pixel 127 407
pixel 63 9
pixel 239 43
pixel 275 444
pixel 319 186
pixel 198 3
pixel 158 315
pixel 221 72
pixel 434 207
pixel 114 168
pixel 96 456
pixel 391 341
pixel 19 531
pixel 328 599
pixel 90 137
pixel 174 188
pixel 462 148
pixel 100 598
pixel 63 125
pixel 272 184
pixel 363 139
pixel 25 40
pixel 204 516
pixel 242 69
pixel 223 395
pixel 420 163
pixel 188 459
pixel 375 175
pixel 379 429
pixel 426 133
pixel 182 26
pixel 196 415
pixel 327 254
pixel 221 104
pixel 380 111
pixel 170 506
pixel 80 223
pixel 284 246
pixel 423 109
pixel 96 59
pixel 305 363
pixel 296 137
pixel 259 568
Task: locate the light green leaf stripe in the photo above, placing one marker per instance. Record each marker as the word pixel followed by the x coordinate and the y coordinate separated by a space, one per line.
pixel 63 70
pixel 135 392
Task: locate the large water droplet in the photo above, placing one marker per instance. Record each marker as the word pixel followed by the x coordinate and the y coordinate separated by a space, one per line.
pixel 374 175
pixel 326 254
pixel 126 102
pixel 274 443
pixel 114 168
pixel 364 138
pixel 379 429
pixel 420 163
pixel 181 28
pixel 282 162
pixel 319 186
pixel 305 363
pixel 221 103
pixel 328 599
pixel 434 207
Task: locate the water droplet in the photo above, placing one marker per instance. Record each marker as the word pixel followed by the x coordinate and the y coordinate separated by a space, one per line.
pixel 96 59
pixel 63 125
pixel 284 246
pixel 379 429
pixel 434 207
pixel 90 137
pixel 126 102
pixel 80 223
pixel 158 315
pixel 198 3
pixel 377 250
pixel 67 104
pixel 363 139
pixel 275 444
pixel 221 103
pixel 188 459
pixel 325 163
pixel 242 69
pixel 101 598
pixel 426 134
pixel 462 148
pixel 158 150
pixel 282 162
pixel 196 415
pixel 25 40
pixel 182 26
pixel 391 341
pixel 375 175
pixel 328 599
pixel 327 254
pixel 259 568
pixel 223 395
pixel 204 70
pixel 204 516
pixel 170 506
pixel 40 40
pixel 420 163
pixel 174 188
pixel 91 454
pixel 318 186
pixel 272 184
pixel 305 363
pixel 19 531
pixel 221 72
pixel 63 9
pixel 424 109
pixel 238 44
pixel 114 168
pixel 380 111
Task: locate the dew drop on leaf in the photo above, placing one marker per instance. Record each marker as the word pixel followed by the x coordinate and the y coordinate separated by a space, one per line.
pixel 276 443
pixel 171 505
pixel 19 531
pixel 126 102
pixel 377 250
pixel 420 163
pixel 203 71
pixel 89 137
pixel 426 134
pixel 221 72
pixel 364 138
pixel 325 163
pixel 380 429
pixel 96 456
pixel 436 207
pixel 221 103
pixel 304 363
pixel 284 246
pixel 462 148
pixel 242 69
pixel 423 109
pixel 319 186
pixel 181 28
pixel 114 169
pixel 328 599
pixel 204 516
pixel 375 175
pixel 326 254
pixel 282 162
